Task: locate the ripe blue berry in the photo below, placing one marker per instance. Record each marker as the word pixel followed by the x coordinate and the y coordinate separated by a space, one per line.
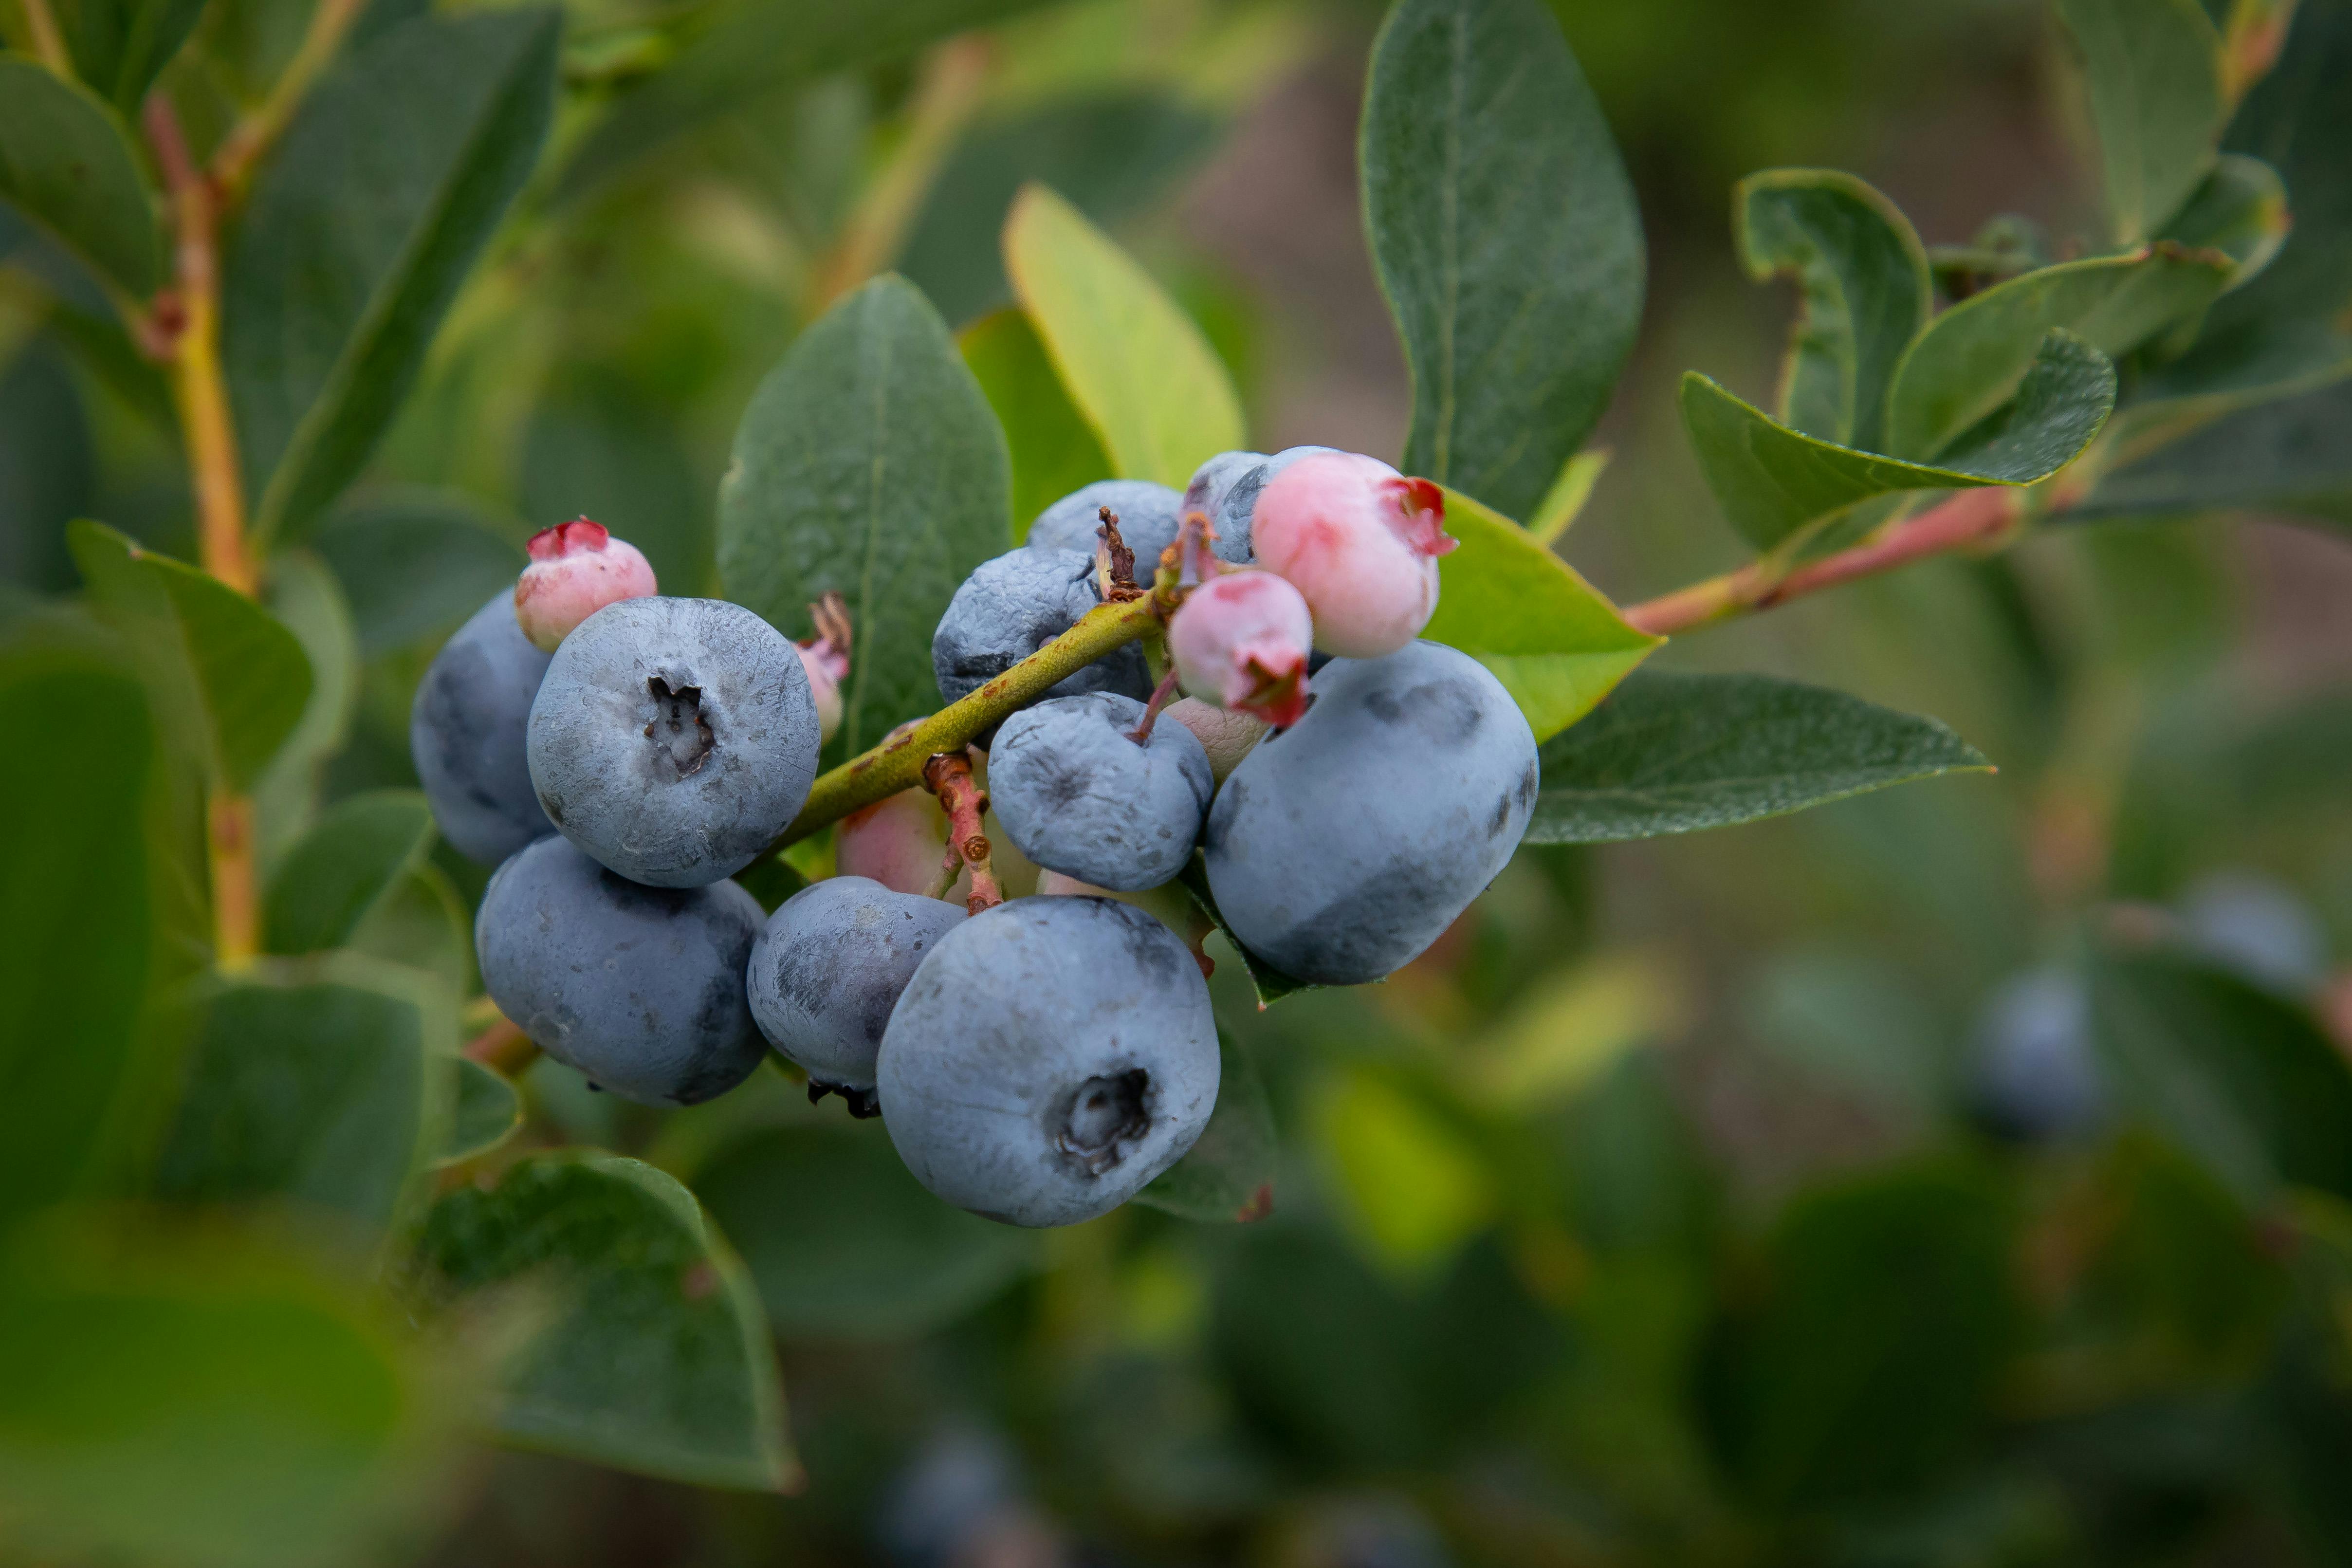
pixel 466 733
pixel 674 739
pixel 1079 796
pixel 1015 604
pixel 2258 926
pixel 1226 489
pixel 2036 1075
pixel 829 969
pixel 1049 1057
pixel 1147 515
pixel 639 988
pixel 1342 846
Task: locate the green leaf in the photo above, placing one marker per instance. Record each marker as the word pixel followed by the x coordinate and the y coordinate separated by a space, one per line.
pixel 1556 645
pixel 414 563
pixel 486 1113
pixel 1136 367
pixel 1776 484
pixel 390 179
pixel 315 1083
pixel 229 681
pixel 343 868
pixel 303 594
pixel 1969 359
pixel 65 162
pixel 120 47
pixel 2241 210
pixel 1675 753
pixel 1862 277
pixel 1271 985
pixel 75 903
pixel 1052 451
pixel 867 463
pixel 2243 1080
pixel 48 467
pixel 612 453
pixel 421 923
pixel 1506 238
pixel 649 1352
pixel 843 1244
pixel 1228 1175
pixel 2292 457
pixel 2152 69
pixel 193 1397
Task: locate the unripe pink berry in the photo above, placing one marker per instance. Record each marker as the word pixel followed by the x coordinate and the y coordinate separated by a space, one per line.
pixel 1360 543
pixel 1241 641
pixel 576 569
pixel 1225 735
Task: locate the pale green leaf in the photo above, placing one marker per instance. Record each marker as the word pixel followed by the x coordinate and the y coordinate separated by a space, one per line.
pixel 486 1113
pixel 2152 71
pixel 303 594
pixel 342 868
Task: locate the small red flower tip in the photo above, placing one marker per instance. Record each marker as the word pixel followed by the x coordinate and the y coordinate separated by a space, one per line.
pixel 1421 505
pixel 564 539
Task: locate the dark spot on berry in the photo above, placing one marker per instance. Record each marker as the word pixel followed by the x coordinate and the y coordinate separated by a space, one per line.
pixel 1104 1113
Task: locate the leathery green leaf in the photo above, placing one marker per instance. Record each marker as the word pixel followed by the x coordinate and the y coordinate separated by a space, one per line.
pixel 1228 1175
pixel 2152 69
pixel 1052 451
pixel 65 162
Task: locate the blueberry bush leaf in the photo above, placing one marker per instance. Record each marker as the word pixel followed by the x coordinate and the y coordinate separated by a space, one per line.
pixel 1675 753
pixel 1774 483
pixel 1228 1175
pixel 322 1084
pixel 120 47
pixel 65 162
pixel 228 679
pixel 2238 209
pixel 414 563
pixel 2292 457
pixel 1138 368
pixel 867 463
pixel 302 593
pixel 647 1348
pixel 1862 280
pixel 878 1259
pixel 1549 636
pixel 1506 238
pixel 342 868
pixel 360 227
pixel 2152 75
pixel 1053 453
pixel 484 1111
pixel 1270 983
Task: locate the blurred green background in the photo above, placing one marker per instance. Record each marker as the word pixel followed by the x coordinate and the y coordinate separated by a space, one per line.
pixel 1660 1214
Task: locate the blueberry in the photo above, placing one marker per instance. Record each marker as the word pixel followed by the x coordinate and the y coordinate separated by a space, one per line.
pixel 829 967
pixel 1079 798
pixel 639 988
pixel 674 739
pixel 1148 516
pixel 1049 1057
pixel 2258 926
pixel 2036 1075
pixel 465 732
pixel 1229 491
pixel 1015 604
pixel 1342 847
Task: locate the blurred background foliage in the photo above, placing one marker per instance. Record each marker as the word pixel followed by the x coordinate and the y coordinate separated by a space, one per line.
pixel 1672 1209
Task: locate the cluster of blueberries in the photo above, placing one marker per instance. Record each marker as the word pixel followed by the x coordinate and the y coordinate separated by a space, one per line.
pixel 1344 788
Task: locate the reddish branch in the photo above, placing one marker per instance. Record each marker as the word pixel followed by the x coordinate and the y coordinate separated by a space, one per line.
pixel 502 1048
pixel 949 776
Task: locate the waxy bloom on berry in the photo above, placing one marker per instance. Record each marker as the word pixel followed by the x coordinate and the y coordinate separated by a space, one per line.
pixel 576 569
pixel 1359 542
pixel 1241 641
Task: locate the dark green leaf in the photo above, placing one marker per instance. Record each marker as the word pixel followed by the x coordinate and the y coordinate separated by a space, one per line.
pixel 303 594
pixel 1109 154
pixel 315 1083
pixel 649 1351
pixel 343 868
pixel 843 1244
pixel 2238 209
pixel 120 47
pixel 1270 983
pixel 74 904
pixel 1776 484
pixel 2153 70
pixel 1051 451
pixel 486 1113
pixel 48 468
pixel 1969 359
pixel 1507 240
pixel 414 563
pixel 1862 277
pixel 197 1398
pixel 228 679
pixel 618 460
pixel 867 463
pixel 65 162
pixel 1228 1175
pixel 1674 753
pixel 2294 456
pixel 2243 1080
pixel 362 226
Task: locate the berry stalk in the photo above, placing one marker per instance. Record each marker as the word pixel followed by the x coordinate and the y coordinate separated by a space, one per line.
pixel 949 776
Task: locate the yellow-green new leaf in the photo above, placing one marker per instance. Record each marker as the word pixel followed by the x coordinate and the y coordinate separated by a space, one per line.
pixel 1556 644
pixel 1139 369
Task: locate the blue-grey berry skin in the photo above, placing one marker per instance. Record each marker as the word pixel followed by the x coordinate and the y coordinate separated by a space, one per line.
pixel 1236 503
pixel 1342 847
pixel 1147 515
pixel 2035 1073
pixel 2258 926
pixel 1078 797
pixel 674 739
pixel 1049 1057
pixel 1015 604
pixel 1211 482
pixel 639 988
pixel 465 732
pixel 829 967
